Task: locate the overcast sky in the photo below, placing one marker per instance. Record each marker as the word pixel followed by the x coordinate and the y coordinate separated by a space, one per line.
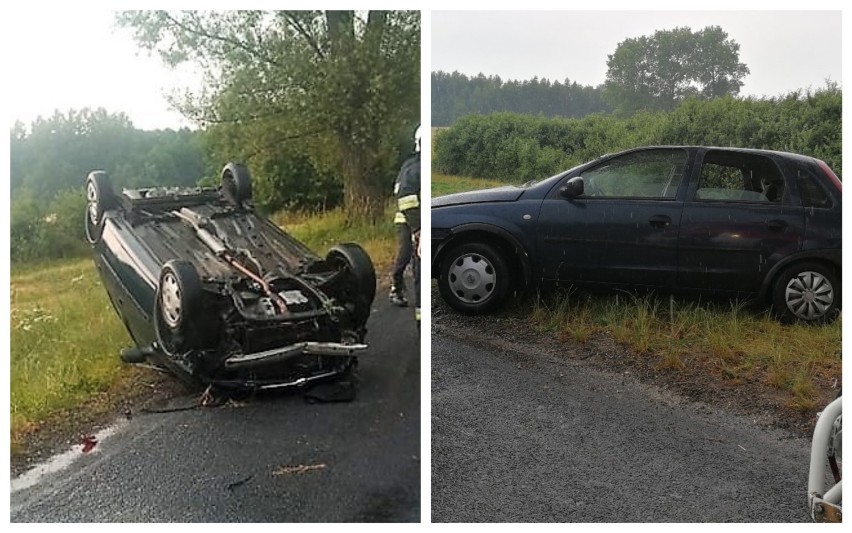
pixel 76 59
pixel 785 50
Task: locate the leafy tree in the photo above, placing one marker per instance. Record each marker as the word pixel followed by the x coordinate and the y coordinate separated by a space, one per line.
pixel 56 153
pixel 339 87
pixel 658 72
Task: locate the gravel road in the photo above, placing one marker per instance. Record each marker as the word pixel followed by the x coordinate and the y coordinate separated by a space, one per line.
pixel 522 433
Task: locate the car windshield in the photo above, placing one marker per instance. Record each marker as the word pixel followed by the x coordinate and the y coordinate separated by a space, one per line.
pixel 530 183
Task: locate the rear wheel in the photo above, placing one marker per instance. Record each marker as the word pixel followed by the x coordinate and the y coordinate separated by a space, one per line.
pixel 474 278
pixel 100 198
pixel 807 292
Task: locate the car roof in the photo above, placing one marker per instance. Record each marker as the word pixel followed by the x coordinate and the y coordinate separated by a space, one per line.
pixel 758 151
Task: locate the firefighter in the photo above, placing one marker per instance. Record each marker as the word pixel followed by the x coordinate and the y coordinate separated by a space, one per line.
pixel 407 190
pixel 403 257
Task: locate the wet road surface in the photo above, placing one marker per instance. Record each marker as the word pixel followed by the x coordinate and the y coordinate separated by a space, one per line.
pixel 274 458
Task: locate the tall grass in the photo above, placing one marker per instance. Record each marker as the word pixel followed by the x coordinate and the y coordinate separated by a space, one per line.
pixel 729 340
pixel 65 339
pixel 321 231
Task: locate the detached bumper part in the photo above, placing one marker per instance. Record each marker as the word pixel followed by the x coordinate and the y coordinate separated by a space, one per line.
pixel 285 352
pixel 825 505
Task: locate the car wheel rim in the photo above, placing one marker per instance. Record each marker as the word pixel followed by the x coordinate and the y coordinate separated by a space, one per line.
pixel 809 295
pixel 170 300
pixel 472 278
pixel 92 198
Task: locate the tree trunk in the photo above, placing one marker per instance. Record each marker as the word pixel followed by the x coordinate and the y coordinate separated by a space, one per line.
pixel 363 194
pixel 363 201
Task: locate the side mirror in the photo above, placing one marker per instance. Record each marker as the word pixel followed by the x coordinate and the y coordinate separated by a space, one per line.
pixel 572 189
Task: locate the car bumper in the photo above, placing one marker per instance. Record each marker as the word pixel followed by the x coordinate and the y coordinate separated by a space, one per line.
pixel 335 349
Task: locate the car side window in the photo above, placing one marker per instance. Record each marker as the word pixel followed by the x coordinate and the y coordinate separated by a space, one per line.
pixel 740 177
pixel 645 174
pixel 809 189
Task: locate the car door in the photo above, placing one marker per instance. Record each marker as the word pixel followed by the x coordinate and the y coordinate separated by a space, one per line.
pixel 623 228
pixel 738 221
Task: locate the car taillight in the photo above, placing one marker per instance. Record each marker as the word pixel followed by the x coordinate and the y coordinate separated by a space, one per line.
pixel 831 175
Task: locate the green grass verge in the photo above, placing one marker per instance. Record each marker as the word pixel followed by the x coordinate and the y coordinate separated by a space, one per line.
pixel 443 184
pixel 65 339
pixel 739 344
pixel 65 336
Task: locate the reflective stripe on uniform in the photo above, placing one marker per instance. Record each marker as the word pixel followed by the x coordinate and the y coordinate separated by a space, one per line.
pixel 409 202
pixel 399 218
pixel 417 313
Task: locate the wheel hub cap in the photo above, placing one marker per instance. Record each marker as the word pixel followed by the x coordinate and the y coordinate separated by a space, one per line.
pixel 472 278
pixel 92 198
pixel 809 295
pixel 170 300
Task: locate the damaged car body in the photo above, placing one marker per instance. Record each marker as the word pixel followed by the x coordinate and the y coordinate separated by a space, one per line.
pixel 220 295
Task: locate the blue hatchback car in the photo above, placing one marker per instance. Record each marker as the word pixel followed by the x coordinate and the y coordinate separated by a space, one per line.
pixel 677 218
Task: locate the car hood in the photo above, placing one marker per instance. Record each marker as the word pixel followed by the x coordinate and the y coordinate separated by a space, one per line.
pixel 500 194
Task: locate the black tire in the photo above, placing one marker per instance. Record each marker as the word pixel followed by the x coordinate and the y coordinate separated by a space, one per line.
pixel 178 307
pixel 807 292
pixel 358 284
pixel 236 184
pixel 100 198
pixel 474 278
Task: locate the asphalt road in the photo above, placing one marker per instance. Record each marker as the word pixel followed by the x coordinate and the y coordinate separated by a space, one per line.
pixel 522 435
pixel 360 461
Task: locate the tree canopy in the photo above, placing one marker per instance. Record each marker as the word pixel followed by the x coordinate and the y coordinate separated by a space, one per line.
pixel 658 72
pixel 337 88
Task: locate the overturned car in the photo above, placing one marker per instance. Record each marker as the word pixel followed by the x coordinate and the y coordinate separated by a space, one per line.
pixel 218 294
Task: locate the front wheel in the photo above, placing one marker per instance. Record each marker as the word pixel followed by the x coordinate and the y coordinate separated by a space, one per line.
pixel 807 292
pixel 179 307
pixel 357 283
pixel 474 278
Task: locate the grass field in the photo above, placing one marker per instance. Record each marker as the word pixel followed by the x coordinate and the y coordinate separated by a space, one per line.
pixel 65 336
pixel 65 339
pixel 733 342
pixel 442 184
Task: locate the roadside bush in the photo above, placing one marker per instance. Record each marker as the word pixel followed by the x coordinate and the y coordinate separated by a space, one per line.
pixel 517 148
pixel 50 230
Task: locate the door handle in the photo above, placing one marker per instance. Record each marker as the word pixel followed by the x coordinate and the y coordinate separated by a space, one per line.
pixel 660 221
pixel 776 225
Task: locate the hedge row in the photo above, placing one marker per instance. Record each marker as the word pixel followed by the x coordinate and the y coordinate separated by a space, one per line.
pixel 517 148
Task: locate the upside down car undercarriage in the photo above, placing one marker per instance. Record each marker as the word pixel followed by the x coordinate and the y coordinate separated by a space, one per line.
pixel 218 294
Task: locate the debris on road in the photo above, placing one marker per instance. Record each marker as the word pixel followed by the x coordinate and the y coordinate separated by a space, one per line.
pixel 301 469
pixel 89 443
pixel 235 484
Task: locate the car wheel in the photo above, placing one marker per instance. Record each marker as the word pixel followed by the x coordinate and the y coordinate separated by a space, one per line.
pixel 178 304
pixel 236 184
pixel 99 199
pixel 807 292
pixel 474 278
pixel 358 284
